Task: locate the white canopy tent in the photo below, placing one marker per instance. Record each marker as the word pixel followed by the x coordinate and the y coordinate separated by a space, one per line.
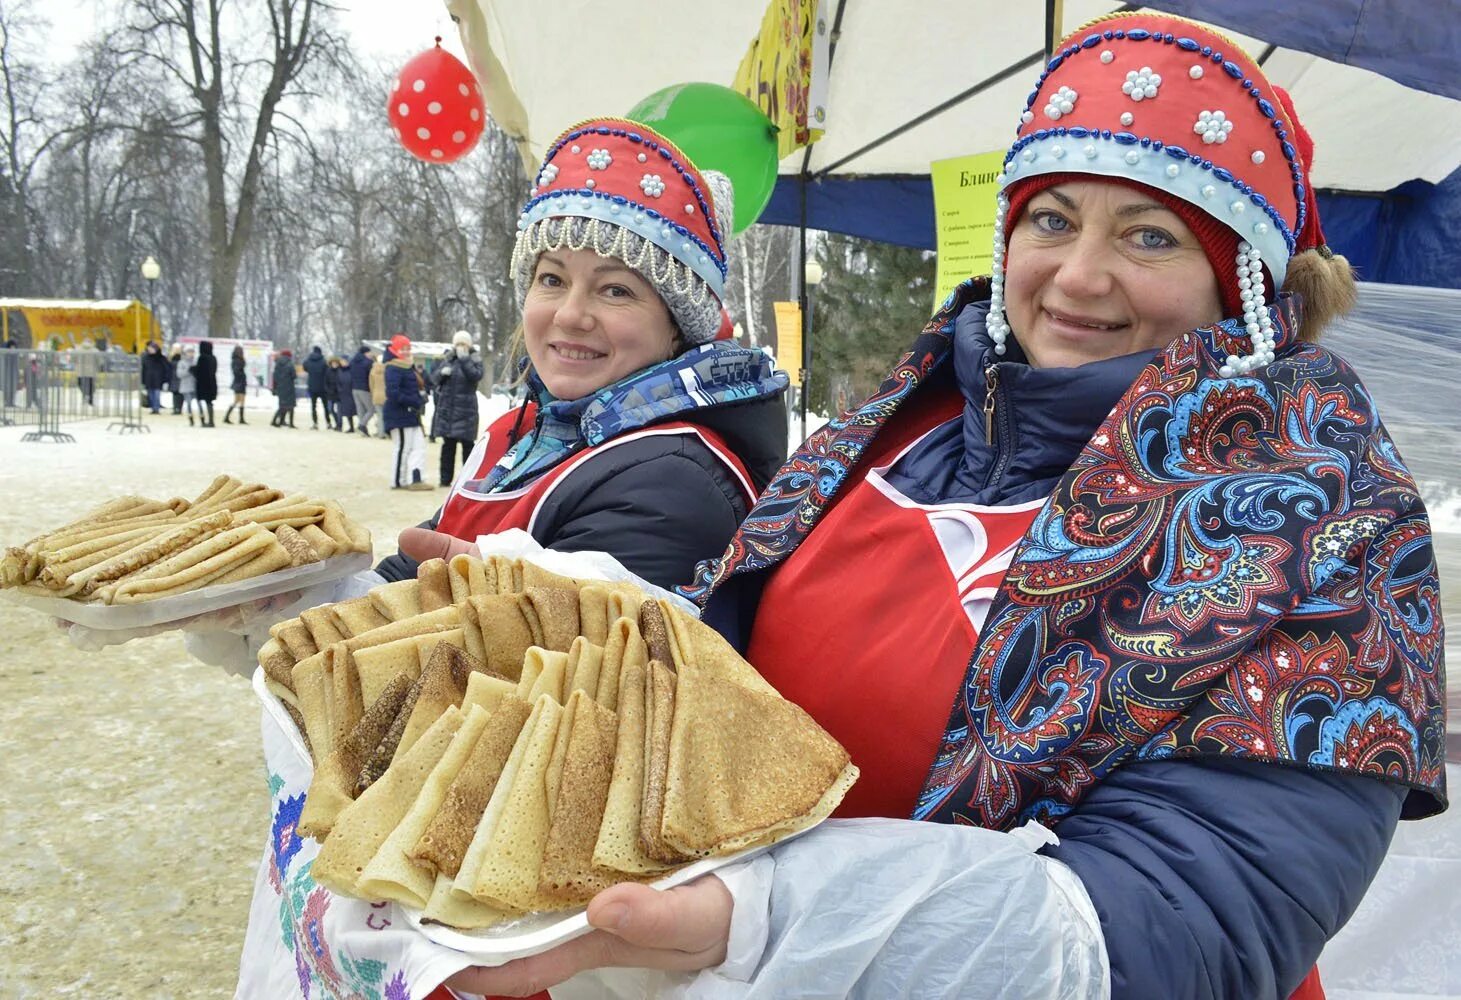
pixel 892 64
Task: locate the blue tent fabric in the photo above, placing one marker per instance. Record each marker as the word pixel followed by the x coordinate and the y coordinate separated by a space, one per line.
pixel 1414 43
pixel 1405 236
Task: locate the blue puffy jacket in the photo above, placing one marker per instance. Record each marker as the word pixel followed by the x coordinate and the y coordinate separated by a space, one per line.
pixel 360 367
pixel 404 398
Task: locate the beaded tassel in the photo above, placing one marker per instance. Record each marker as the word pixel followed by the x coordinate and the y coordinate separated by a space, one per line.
pixel 1256 319
pixel 997 325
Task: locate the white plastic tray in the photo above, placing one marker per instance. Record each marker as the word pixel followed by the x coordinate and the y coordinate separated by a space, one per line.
pixel 197 602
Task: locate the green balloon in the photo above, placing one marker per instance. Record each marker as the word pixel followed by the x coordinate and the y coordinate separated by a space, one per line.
pixel 719 129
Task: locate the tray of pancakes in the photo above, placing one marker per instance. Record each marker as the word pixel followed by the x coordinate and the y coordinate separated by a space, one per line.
pixel 493 744
pixel 134 562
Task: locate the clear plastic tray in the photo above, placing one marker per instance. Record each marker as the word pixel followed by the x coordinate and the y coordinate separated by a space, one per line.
pixel 197 602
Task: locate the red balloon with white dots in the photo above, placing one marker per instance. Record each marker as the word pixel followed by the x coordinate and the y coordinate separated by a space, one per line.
pixel 436 107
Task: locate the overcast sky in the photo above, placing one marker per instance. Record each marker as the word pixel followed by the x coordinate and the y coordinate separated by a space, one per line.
pixel 390 31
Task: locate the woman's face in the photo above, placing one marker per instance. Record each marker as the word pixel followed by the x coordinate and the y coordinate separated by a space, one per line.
pixel 588 321
pixel 1097 270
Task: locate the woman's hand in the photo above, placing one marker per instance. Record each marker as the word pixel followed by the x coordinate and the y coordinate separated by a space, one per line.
pixel 684 929
pixel 422 544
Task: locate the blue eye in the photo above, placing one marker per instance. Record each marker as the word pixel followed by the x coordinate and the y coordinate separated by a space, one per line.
pixel 549 280
pixel 1155 239
pixel 1049 222
pixel 617 292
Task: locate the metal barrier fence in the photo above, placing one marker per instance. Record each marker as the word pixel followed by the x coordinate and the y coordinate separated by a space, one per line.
pixel 47 389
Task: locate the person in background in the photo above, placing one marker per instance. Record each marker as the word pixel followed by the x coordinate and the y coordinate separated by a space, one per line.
pixel 405 398
pixel 345 401
pixel 378 393
pixel 205 378
pixel 87 360
pixel 454 382
pixel 284 391
pixel 239 384
pixel 361 365
pixel 332 393
pixel 175 379
pixel 155 375
pixel 185 386
pixel 314 370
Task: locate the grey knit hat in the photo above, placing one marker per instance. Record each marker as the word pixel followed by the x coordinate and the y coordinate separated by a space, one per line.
pixel 621 190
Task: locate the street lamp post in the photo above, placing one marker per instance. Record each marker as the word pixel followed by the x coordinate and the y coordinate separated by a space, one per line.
pixel 151 270
pixel 812 275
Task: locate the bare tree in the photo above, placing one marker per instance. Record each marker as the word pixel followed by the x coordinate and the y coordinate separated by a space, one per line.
pixel 188 41
pixel 25 137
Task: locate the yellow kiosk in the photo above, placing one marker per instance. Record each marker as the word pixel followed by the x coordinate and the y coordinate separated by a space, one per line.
pixel 67 323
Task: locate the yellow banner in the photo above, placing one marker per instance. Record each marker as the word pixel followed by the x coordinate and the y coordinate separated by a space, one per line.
pixel 65 327
pixel 964 193
pixel 789 339
pixel 785 71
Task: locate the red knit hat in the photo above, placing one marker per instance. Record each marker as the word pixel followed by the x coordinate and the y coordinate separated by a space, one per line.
pixel 400 344
pixel 1180 110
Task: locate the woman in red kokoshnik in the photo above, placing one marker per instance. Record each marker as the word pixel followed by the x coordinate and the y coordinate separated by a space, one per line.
pixel 1117 591
pixel 645 436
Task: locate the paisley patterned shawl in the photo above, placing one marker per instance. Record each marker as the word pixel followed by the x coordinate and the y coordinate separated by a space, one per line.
pixel 1232 566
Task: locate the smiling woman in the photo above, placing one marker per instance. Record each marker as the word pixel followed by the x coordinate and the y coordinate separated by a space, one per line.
pixel 644 437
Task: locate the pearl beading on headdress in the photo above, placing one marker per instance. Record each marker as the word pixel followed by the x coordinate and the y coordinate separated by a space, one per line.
pixel 608 239
pixel 1257 321
pixel 997 325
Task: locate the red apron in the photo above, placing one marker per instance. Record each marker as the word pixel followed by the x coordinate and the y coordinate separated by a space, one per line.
pixel 468 514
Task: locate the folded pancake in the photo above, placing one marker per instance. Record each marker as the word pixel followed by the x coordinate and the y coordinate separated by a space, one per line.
pixel 390 874
pixel 559 753
pixel 397 601
pixel 487 690
pixel 504 575
pixel 543 673
pixel 347 704
pixel 219 483
pixel 274 558
pixel 617 846
pixel 507 871
pixel 442 684
pixel 359 536
pixel 467 576
pixel 659 710
pixel 357 616
pixel 311 686
pixel 593 613
pixel 332 787
pixel 624 646
pixel 585 661
pixel 441 620
pixel 332 523
pixel 656 635
pixel 294 636
pixel 535 576
pixel 377 665
pixel 744 766
pixel 58 565
pixel 459 910
pixel 482 838
pixel 568 872
pixel 278 663
pixel 363 825
pixel 322 626
pixel 323 544
pixel 556 611
pixel 502 629
pixel 434 585
pixel 443 844
pixel 301 553
pixel 698 643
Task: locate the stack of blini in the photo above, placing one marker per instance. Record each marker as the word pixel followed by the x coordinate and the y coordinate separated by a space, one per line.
pixel 491 740
pixel 133 549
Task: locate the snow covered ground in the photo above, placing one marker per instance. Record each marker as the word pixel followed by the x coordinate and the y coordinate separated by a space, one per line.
pixel 131 782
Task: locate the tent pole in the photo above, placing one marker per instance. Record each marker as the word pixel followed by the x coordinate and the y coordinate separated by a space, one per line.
pixel 1054 15
pixel 801 298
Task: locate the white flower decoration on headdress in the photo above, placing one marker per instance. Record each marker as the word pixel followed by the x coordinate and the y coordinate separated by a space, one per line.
pixel 652 185
pixel 1141 84
pixel 1213 126
pixel 1062 102
pixel 599 159
pixel 548 174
